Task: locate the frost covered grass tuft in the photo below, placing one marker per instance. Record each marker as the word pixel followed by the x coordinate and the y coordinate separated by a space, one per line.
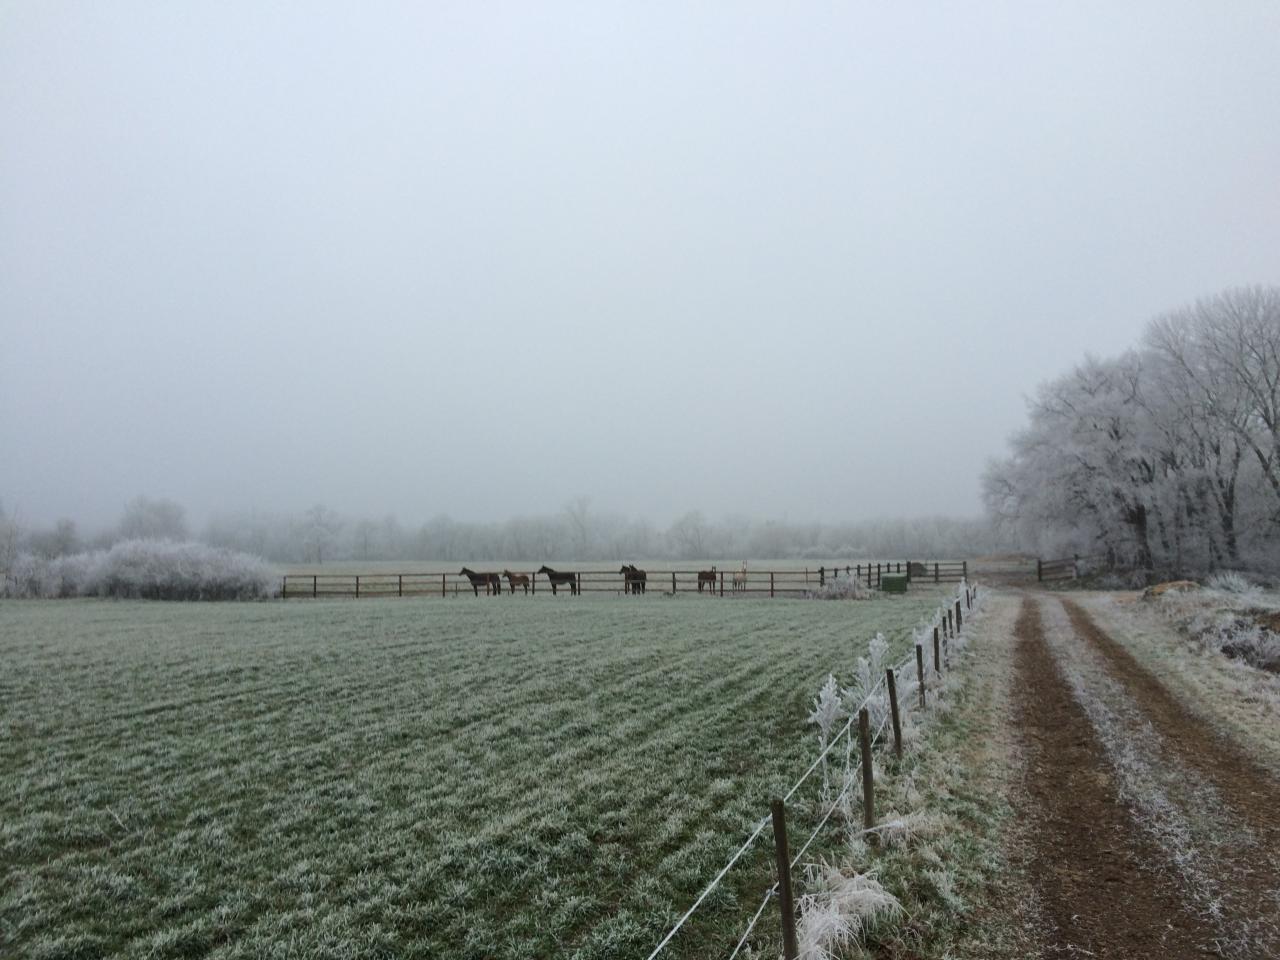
pixel 1229 581
pixel 1234 617
pixel 838 907
pixel 395 778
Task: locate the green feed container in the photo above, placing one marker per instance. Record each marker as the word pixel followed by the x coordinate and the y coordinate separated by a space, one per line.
pixel 896 583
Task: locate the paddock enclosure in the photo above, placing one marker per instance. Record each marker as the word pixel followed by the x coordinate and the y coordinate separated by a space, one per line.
pixel 493 780
pixel 597 578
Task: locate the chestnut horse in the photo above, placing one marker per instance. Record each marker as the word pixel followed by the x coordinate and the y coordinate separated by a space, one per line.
pixel 517 580
pixel 707 577
pixel 490 581
pixel 560 579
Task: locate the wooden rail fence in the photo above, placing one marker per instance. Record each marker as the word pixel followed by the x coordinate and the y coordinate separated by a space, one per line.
pixel 1068 568
pixel 724 582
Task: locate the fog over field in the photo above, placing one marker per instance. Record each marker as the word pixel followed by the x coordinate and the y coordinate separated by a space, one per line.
pixel 484 259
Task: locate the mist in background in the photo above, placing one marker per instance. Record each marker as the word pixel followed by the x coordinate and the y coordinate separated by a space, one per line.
pixel 488 260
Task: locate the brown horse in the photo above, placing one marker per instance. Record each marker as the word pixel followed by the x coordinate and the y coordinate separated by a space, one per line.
pixel 634 580
pixel 517 580
pixel 490 581
pixel 707 577
pixel 557 578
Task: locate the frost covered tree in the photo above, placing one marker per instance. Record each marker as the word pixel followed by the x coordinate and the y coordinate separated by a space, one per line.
pixel 1168 456
pixel 60 541
pixel 10 540
pixel 1226 351
pixel 320 531
pixel 147 519
pixel 689 535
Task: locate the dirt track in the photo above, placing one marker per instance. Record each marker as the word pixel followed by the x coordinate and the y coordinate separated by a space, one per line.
pixel 1245 865
pixel 1103 888
pixel 1245 785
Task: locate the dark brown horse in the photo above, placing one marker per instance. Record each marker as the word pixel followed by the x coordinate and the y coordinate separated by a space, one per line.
pixel 490 581
pixel 556 578
pixel 634 579
pixel 517 580
pixel 707 577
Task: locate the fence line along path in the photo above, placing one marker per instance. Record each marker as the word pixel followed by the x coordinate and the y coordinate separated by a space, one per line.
pixel 710 581
pixel 947 625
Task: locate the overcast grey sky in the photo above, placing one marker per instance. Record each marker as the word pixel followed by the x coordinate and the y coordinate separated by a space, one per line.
pixel 797 260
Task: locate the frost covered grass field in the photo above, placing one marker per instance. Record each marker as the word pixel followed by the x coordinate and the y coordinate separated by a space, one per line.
pixel 385 778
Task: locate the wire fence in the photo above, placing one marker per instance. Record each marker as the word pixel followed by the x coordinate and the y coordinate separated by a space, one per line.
pixel 947 626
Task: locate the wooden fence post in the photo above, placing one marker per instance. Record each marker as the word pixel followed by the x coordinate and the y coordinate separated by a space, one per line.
pixel 443 587
pixel 790 949
pixel 877 574
pixel 920 672
pixel 771 583
pixel 822 576
pixel 400 588
pixel 964 569
pixel 893 709
pixel 357 586
pixel 722 583
pixel 868 787
pixel 284 587
pixel 935 571
pixel 959 618
pixel 673 581
pixel 935 652
pixel 315 588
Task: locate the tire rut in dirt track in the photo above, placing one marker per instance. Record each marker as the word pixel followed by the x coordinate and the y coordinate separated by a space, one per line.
pixel 1249 870
pixel 1249 789
pixel 1102 886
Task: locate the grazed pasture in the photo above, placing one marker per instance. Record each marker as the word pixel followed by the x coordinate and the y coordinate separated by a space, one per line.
pixel 437 778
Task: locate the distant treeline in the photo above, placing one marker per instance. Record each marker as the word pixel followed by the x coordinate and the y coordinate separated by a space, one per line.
pixel 321 535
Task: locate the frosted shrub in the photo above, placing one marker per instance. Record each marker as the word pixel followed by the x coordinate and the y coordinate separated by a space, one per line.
pixel 843 588
pixel 148 570
pixel 1228 581
pixel 1242 638
pixel 827 711
pixel 868 673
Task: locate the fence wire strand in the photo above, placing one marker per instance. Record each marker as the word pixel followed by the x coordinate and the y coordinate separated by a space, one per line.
pixel 769 894
pixel 846 730
pixel 711 886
